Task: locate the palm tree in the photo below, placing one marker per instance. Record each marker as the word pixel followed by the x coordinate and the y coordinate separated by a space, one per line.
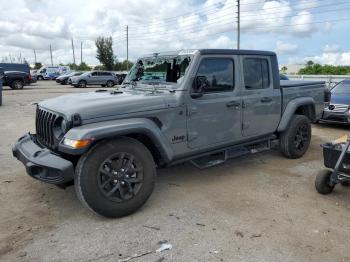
pixel 284 69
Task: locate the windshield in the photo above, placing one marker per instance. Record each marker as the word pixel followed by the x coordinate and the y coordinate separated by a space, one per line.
pixel 342 88
pixel 159 69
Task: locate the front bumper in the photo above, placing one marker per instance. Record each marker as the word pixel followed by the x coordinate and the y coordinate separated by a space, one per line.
pixel 41 163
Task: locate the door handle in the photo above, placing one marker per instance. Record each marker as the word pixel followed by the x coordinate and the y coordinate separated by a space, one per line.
pixel 233 104
pixel 266 100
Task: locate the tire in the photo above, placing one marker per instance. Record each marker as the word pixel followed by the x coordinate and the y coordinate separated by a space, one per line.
pixel 345 183
pixel 295 141
pixel 92 186
pixel 109 83
pixel 40 78
pixel 17 84
pixel 63 82
pixel 322 182
pixel 82 84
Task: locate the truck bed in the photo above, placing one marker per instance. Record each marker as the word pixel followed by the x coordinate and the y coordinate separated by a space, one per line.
pixel 291 89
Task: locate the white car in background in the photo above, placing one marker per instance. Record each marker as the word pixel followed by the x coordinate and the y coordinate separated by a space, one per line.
pixel 52 72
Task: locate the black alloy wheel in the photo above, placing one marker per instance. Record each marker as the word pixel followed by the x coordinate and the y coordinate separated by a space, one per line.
pixel 120 177
pixel 302 137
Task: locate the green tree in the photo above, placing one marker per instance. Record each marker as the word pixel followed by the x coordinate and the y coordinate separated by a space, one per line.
pixel 84 67
pixel 123 66
pixel 37 65
pixel 284 69
pixel 105 53
pixel 317 69
pixel 310 63
pixel 99 67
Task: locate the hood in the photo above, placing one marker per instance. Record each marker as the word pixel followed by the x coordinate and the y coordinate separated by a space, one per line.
pixel 103 104
pixel 62 77
pixel 343 99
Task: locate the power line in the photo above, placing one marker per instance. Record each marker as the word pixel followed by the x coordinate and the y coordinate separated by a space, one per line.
pixel 196 11
pixel 260 27
pixel 226 8
pixel 217 21
pixel 229 15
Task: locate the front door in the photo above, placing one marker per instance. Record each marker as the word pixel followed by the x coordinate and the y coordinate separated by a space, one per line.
pixel 260 100
pixel 215 118
pixel 94 79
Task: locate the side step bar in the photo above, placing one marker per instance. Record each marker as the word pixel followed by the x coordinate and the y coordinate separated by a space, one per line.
pixel 231 152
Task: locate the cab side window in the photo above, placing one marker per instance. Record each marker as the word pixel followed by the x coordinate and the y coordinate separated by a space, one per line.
pixel 94 73
pixel 256 73
pixel 217 73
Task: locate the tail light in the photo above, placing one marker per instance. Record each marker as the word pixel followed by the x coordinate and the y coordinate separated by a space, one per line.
pixel 30 77
pixel 327 95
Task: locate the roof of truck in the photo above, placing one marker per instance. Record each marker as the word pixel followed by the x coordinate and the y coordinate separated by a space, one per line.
pixel 212 52
pixel 235 52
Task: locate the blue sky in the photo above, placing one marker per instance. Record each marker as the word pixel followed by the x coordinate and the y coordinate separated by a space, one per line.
pixel 285 26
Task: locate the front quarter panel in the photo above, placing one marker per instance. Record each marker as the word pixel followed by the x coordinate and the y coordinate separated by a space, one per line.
pixel 114 128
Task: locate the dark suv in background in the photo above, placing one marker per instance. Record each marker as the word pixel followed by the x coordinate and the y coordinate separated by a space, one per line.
pixel 16 79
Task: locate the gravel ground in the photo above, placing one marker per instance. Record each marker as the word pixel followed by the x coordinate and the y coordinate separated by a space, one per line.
pixel 261 207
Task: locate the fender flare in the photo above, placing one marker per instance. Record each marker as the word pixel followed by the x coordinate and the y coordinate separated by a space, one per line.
pixel 291 109
pixel 120 127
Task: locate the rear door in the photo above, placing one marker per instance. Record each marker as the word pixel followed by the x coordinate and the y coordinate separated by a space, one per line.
pixel 105 76
pixel 260 101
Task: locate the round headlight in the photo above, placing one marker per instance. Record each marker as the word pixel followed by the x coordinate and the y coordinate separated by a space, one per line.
pixel 63 126
pixel 59 127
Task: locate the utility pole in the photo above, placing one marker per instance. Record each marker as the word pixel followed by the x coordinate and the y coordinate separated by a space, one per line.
pixel 73 52
pixel 51 55
pixel 127 48
pixel 34 57
pixel 238 24
pixel 81 52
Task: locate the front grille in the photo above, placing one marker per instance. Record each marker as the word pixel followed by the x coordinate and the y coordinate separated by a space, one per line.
pixel 337 108
pixel 44 127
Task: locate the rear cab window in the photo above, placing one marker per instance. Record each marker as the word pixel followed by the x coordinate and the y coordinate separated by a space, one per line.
pixel 256 73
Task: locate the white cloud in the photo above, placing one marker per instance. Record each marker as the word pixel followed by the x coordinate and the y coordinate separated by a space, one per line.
pixel 332 48
pixel 153 25
pixel 327 26
pixel 335 58
pixel 307 4
pixel 285 48
pixel 301 24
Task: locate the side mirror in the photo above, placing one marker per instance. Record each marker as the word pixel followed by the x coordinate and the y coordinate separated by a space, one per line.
pixel 200 83
pixel 89 75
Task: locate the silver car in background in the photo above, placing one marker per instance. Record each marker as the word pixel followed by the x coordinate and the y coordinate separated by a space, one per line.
pixel 103 78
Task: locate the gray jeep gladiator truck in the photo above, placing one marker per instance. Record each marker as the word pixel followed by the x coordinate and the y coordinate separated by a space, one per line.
pixel 204 106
